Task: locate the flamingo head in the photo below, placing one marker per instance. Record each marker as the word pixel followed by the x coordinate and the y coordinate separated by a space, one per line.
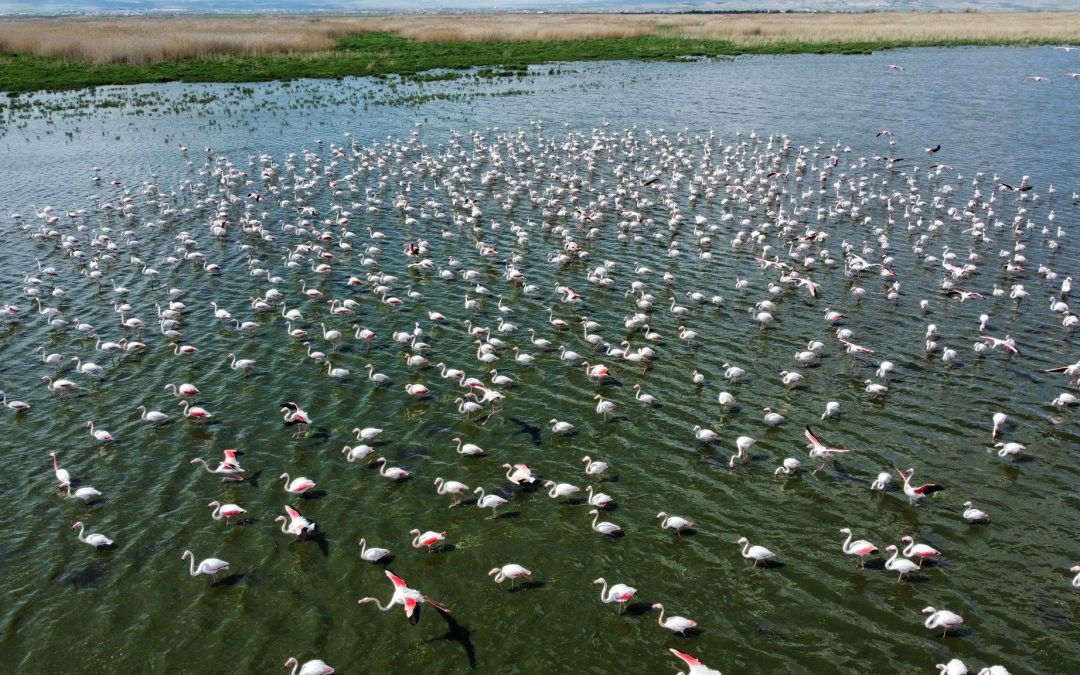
pixel 292 661
pixel 494 571
pixel 76 524
pixel 926 610
pixel 1075 568
pixel 907 538
pixel 214 503
pixel 657 605
pixel 742 540
pixel 601 580
pixel 185 555
pixel 594 512
pixel 967 505
pixel 414 531
pixel 845 530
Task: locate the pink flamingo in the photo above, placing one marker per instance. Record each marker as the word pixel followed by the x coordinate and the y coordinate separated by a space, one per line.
pixel 297 486
pixel 410 599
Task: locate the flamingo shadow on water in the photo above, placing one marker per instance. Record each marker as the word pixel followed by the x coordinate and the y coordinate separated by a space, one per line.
pixel 229 581
pixel 638 608
pixel 313 494
pixel 90 576
pixel 455 632
pixel 319 538
pixel 526 428
pixel 527 586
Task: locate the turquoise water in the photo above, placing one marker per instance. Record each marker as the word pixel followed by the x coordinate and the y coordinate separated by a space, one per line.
pixel 584 143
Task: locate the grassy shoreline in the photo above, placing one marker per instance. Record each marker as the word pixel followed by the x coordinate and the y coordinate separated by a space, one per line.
pixel 413 47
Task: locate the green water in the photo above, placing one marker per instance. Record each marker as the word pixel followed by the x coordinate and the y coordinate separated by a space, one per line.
pixel 134 607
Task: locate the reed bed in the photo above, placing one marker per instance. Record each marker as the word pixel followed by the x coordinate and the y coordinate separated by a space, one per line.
pixel 142 41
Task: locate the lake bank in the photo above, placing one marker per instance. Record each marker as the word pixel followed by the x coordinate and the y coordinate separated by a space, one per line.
pixel 58 54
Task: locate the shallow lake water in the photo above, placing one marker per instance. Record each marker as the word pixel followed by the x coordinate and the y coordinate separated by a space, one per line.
pixel 549 159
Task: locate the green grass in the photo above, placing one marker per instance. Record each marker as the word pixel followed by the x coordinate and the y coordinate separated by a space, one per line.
pixel 385 53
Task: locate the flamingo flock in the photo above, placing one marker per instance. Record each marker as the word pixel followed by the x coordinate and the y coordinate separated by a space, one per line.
pixel 502 256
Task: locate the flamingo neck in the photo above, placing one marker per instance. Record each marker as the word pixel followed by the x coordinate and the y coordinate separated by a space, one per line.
pixel 847 543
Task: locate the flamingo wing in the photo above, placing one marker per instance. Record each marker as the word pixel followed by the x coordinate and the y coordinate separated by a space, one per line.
pixel 412 610
pixel 686 658
pixel 928 489
pixel 293 513
pixel 814 441
pixel 397 581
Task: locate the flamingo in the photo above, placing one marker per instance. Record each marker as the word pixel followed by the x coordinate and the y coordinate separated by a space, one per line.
pixel 297 486
pixel 372 554
pixel 819 450
pixel 511 571
pixel 62 475
pixel 100 434
pixel 599 499
pixel 185 389
pixel 704 435
pixel 293 415
pixel 209 566
pixel 452 487
pixel 675 624
pixel 695 664
pixel 593 468
pixel 93 539
pixel 901 566
pixel 914 494
pixel 999 422
pixel 469 449
pixel 558 490
pixel 152 416
pixel 519 473
pixel 603 406
pixel 790 466
pixel 225 511
pixel 312 667
pixel 603 527
pixel 17 406
pixel 367 433
pixel 295 524
pixel 60 385
pixel 620 593
pixel 391 472
pixel 243 365
pixel 408 598
pixel 87 494
pixel 860 548
pixel 194 412
pixel 881 481
pixel 356 452
pixel 1075 569
pixel 755 553
pixel 953 667
pixel 920 551
pixel 941 618
pixel 428 539
pixel 492 502
pixel 646 399
pixel 561 427
pixel 677 522
pixel 228 469
pixel 974 515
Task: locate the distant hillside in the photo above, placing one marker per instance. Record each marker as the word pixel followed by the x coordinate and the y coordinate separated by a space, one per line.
pixel 351 6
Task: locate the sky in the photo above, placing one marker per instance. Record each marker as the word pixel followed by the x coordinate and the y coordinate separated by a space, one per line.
pixel 263 6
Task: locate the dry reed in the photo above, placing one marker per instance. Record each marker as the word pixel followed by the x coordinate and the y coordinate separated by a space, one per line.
pixel 144 41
